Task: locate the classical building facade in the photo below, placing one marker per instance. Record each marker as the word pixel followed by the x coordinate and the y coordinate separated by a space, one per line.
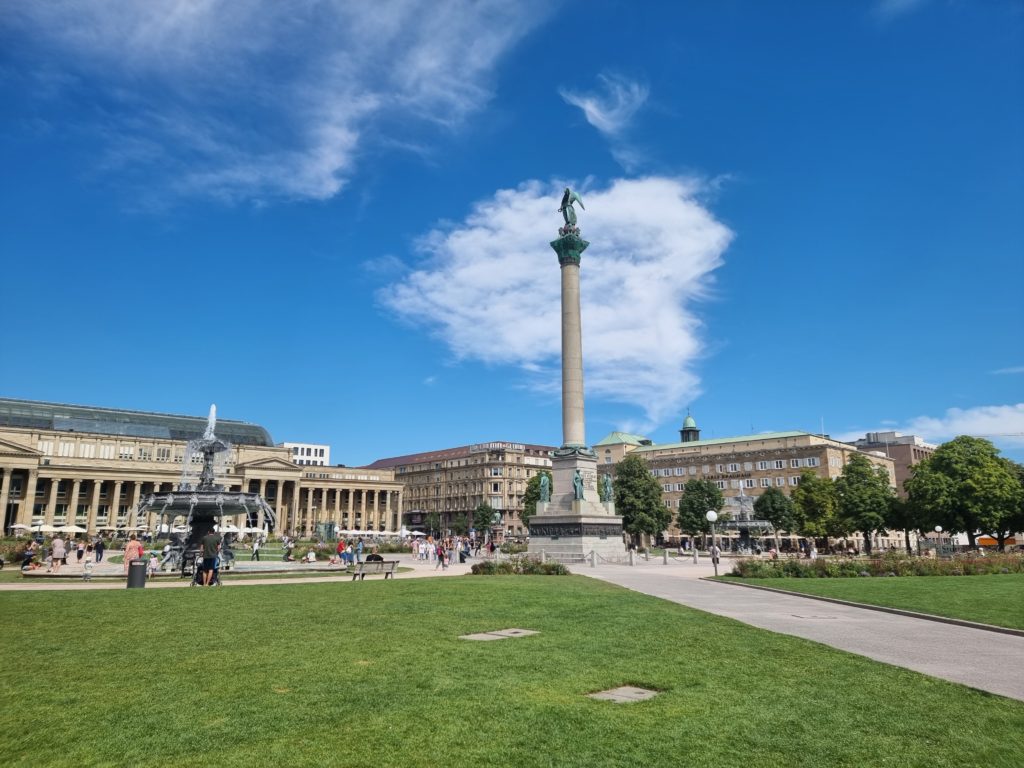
pixel 742 467
pixel 455 481
pixel 904 450
pixel 73 465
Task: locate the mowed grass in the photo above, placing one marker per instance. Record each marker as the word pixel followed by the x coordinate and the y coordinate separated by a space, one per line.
pixel 373 674
pixel 997 599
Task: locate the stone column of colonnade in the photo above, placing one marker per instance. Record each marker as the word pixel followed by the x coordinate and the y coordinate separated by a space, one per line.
pixel 51 501
pixel 76 489
pixel 94 505
pixel 5 493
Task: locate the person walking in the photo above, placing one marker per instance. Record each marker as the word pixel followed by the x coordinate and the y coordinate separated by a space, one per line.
pixel 57 554
pixel 80 550
pixel 100 547
pixel 255 549
pixel 87 566
pixel 132 551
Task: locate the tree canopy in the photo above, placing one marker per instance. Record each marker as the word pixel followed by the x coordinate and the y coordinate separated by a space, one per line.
pixel 814 506
pixel 699 497
pixel 531 496
pixel 777 508
pixel 966 487
pixel 638 498
pixel 863 496
pixel 483 517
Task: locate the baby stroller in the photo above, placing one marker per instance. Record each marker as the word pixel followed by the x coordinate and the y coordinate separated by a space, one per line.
pixel 197 572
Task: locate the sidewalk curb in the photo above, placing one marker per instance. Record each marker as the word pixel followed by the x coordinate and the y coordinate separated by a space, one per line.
pixel 880 608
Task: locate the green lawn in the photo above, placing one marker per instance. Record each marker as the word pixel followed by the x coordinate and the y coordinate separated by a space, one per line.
pixel 996 599
pixel 373 674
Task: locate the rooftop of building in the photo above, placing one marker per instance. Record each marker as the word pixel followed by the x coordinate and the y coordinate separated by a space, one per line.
pixel 461 452
pixel 728 440
pixel 61 417
pixel 618 438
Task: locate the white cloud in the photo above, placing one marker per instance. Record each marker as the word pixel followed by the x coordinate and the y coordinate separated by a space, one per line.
pixel 1011 370
pixel 610 112
pixel 244 98
pixel 1002 424
pixel 490 288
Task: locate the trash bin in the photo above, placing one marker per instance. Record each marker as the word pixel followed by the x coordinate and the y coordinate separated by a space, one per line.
pixel 137 574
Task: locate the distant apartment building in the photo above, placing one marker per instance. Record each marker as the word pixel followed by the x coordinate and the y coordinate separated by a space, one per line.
pixel 455 481
pixel 742 467
pixel 309 454
pixel 904 450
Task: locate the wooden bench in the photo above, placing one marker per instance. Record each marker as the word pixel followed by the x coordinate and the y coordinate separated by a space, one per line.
pixel 371 567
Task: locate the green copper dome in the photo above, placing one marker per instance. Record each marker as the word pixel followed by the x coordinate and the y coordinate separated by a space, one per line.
pixel 689 423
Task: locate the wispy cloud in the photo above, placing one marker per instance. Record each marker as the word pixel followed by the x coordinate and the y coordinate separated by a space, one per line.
pixel 489 287
pixel 1007 371
pixel 1002 424
pixel 611 110
pixel 244 99
pixel 891 9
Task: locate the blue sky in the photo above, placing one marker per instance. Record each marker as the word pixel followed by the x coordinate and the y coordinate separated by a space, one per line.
pixel 332 218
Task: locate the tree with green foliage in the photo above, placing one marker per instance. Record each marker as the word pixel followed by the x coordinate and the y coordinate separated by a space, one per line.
pixel 863 495
pixel 966 487
pixel 638 499
pixel 1015 519
pixel 814 505
pixel 699 497
pixel 531 497
pixel 459 526
pixel 483 517
pixel 903 516
pixel 776 507
pixel 433 523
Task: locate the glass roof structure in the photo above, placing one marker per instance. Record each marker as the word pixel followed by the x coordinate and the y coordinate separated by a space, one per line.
pixel 112 421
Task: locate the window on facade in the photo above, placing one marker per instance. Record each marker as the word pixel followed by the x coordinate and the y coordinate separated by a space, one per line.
pixel 734 467
pixel 705 469
pixel 163 453
pixel 766 482
pixel 720 484
pixel 495 487
pixel 747 466
pixel 693 469
pixel 607 459
pixel 795 463
pixel 748 483
pixel 145 453
pixel 780 464
pixel 762 465
pixel 87 450
pixel 66 449
pixel 734 483
pixel 780 481
pixel 795 480
pixel 667 487
pixel 812 462
pixel 127 452
pixel 680 486
pixel 719 468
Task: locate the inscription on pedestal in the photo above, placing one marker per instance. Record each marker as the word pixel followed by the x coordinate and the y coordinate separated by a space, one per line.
pixel 575 529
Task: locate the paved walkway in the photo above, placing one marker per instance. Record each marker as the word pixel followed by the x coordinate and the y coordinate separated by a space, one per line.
pixel 989 661
pixel 985 660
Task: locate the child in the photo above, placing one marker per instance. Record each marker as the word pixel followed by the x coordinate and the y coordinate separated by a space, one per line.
pixel 88 564
pixel 154 564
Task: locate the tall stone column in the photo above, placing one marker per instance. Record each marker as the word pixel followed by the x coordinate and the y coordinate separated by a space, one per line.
pixel 569 249
pixel 115 504
pixel 572 521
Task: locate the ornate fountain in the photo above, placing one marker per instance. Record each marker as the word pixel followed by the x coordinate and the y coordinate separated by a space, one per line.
pixel 199 499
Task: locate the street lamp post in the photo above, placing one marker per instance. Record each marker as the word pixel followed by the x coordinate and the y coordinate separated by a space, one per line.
pixel 938 541
pixel 712 516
